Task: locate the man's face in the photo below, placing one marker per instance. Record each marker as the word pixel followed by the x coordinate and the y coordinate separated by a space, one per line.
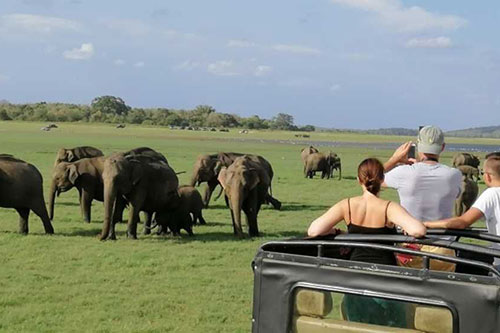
pixel 487 174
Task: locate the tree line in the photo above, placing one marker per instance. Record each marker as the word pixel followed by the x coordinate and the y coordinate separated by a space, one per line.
pixel 111 109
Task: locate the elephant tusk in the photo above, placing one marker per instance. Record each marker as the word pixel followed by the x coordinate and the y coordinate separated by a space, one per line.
pixel 180 172
pixel 152 226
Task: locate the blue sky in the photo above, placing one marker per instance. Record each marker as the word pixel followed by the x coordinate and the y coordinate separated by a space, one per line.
pixel 331 63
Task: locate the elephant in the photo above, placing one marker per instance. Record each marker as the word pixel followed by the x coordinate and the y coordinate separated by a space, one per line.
pixel 469 171
pixel 467 196
pixel 465 159
pixel 185 215
pixel 145 183
pixel 317 162
pixel 146 151
pixel 21 188
pixel 77 153
pixel 306 152
pixel 245 183
pixel 84 174
pixel 334 163
pixel 207 168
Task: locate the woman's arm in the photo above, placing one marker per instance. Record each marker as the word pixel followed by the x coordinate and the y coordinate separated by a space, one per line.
pixel 459 222
pixel 324 224
pixel 400 217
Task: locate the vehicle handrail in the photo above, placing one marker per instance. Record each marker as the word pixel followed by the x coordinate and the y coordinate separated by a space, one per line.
pixel 360 240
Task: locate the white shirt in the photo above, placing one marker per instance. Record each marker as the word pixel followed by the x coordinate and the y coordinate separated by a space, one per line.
pixel 489 204
pixel 427 191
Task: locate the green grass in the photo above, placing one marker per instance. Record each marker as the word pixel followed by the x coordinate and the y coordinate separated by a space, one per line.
pixel 72 282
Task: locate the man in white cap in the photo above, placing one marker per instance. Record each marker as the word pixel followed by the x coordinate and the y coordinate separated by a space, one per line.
pixel 427 188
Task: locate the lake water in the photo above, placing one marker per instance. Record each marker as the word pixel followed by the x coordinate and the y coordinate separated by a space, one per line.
pixel 375 145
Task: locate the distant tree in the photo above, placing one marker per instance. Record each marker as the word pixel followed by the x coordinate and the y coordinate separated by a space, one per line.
pixel 307 128
pixel 4 115
pixel 254 122
pixel 199 115
pixel 283 121
pixel 136 116
pixel 110 105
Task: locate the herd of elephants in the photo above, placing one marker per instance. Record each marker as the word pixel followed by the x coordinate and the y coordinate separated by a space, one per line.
pixel 142 180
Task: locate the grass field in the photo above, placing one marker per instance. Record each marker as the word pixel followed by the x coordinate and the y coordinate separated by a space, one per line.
pixel 72 282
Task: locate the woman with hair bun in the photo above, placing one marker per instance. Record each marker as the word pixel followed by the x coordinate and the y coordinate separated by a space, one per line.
pixel 368 214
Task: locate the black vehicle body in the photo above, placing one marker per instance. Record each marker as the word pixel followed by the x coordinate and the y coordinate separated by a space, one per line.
pixel 283 267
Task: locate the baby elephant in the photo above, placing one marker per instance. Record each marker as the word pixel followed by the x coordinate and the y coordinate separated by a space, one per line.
pixel 469 171
pixel 467 196
pixel 187 212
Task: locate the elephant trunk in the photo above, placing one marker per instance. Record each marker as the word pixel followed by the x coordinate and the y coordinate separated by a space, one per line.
pixel 53 192
pixel 340 171
pixel 236 203
pixel 194 179
pixel 109 204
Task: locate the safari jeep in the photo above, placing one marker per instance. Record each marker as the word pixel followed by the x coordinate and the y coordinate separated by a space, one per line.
pixel 311 286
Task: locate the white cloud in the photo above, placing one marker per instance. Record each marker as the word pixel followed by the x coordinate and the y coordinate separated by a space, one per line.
pixel 262 70
pixel 4 78
pixel 223 68
pixel 36 24
pixel 405 19
pixel 187 65
pixel 139 64
pixel 133 28
pixel 119 62
pixel 84 52
pixel 431 43
pixel 335 87
pixel 174 34
pixel 240 43
pixel 300 49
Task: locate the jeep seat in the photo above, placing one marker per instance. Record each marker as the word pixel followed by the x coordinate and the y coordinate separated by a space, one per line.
pixel 312 306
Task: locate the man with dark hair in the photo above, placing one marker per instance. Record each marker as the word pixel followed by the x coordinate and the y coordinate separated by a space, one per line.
pixel 487 205
pixel 496 153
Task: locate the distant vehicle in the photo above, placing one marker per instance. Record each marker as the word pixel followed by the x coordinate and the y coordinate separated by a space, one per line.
pixel 311 285
pixel 45 128
pixel 120 126
pixel 52 125
pixel 243 131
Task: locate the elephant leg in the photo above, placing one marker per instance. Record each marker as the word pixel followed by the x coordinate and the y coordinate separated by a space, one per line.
pixel 208 192
pixel 86 204
pixel 132 220
pixel 118 210
pixel 251 216
pixel 273 201
pixel 147 223
pixel 24 214
pixel 199 216
pixel 41 211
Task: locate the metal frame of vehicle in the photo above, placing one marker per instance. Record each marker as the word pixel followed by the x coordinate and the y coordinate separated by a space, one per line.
pixel 280 267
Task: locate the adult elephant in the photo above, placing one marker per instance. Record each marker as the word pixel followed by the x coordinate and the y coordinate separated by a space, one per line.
pixel 21 188
pixel 306 152
pixel 77 153
pixel 246 183
pixel 466 159
pixel 86 176
pixel 145 183
pixel 207 168
pixel 317 162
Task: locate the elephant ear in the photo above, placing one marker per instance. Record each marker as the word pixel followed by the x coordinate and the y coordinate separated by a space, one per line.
pixel 70 156
pixel 217 167
pixel 222 177
pixel 73 173
pixel 252 179
pixel 137 172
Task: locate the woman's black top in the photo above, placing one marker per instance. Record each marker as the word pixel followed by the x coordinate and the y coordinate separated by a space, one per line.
pixel 371 255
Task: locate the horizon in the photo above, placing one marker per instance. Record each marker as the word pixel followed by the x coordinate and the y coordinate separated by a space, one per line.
pixel 340 64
